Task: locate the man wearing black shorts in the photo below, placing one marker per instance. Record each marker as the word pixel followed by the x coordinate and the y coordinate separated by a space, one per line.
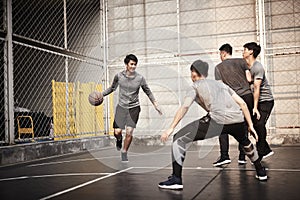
pixel 233 72
pixel 226 113
pixel 128 108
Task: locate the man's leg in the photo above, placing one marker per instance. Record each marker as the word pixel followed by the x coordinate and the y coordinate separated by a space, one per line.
pixel 197 130
pixel 118 136
pixel 263 147
pixel 249 148
pixel 224 147
pixel 248 98
pixel 119 125
pixel 127 142
pixel 131 121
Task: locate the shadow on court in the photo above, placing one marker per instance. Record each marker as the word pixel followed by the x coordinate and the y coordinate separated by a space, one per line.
pixel 101 175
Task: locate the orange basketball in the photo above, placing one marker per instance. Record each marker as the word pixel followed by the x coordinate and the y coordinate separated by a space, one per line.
pixel 96 98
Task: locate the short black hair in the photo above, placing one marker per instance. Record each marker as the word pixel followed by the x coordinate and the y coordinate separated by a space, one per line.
pixel 130 57
pixel 227 48
pixel 254 47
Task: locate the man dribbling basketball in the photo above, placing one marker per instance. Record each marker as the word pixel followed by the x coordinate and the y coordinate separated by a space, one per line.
pixel 128 108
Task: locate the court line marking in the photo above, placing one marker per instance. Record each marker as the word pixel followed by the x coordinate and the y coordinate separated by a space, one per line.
pixel 85 184
pixel 53 175
pixel 95 158
pixel 220 169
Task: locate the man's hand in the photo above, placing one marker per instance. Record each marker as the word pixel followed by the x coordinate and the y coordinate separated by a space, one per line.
pixel 166 134
pixel 256 112
pixel 253 132
pixel 158 109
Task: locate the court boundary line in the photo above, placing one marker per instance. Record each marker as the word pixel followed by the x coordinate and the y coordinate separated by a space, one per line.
pixel 85 184
pixel 53 175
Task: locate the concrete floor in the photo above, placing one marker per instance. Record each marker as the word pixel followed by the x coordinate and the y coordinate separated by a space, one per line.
pixel 101 175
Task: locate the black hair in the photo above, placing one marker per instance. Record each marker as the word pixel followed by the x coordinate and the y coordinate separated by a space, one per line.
pixel 200 67
pixel 129 58
pixel 254 47
pixel 227 48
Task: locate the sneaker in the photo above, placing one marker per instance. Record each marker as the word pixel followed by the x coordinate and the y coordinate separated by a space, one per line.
pixel 221 161
pixel 173 183
pixel 242 160
pixel 268 154
pixel 124 157
pixel 261 174
pixel 119 144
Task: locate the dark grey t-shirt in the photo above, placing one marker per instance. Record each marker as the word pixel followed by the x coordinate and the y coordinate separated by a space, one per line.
pixel 257 72
pixel 129 89
pixel 216 98
pixel 232 72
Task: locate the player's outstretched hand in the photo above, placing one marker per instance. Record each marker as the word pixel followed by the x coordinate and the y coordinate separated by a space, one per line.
pixel 164 137
pixel 252 131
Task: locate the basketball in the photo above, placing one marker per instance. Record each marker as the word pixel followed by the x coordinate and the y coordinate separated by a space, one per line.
pixel 96 98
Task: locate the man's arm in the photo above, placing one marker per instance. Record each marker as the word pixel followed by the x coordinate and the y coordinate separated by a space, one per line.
pixel 246 113
pixel 256 94
pixel 150 95
pixel 113 86
pixel 177 118
pixel 248 76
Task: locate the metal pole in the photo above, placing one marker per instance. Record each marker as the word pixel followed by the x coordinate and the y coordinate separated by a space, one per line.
pixel 8 77
pixel 66 68
pixel 261 18
pixel 105 67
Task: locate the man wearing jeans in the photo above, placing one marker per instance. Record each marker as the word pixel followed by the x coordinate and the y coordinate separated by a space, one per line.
pixel 263 98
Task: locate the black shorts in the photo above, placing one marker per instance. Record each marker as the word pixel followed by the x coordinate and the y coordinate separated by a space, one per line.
pixel 126 117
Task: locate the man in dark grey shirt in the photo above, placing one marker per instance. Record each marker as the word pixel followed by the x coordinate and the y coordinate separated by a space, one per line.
pixel 128 108
pixel 233 72
pixel 226 112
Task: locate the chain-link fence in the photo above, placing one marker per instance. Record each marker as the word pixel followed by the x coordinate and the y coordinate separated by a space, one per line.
pixel 64 49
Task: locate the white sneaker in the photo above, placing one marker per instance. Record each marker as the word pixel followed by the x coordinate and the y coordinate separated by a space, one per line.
pixel 269 154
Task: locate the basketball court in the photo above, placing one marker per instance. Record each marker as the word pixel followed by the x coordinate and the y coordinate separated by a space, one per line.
pixel 101 175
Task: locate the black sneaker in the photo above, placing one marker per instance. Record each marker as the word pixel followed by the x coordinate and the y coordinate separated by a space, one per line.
pixel 124 157
pixel 173 183
pixel 119 144
pixel 242 160
pixel 221 161
pixel 261 174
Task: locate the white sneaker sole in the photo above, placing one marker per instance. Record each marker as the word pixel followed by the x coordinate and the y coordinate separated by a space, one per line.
pixel 222 163
pixel 261 178
pixel 242 162
pixel 268 155
pixel 171 187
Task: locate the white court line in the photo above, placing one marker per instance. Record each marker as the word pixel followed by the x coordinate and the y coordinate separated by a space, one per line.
pixel 96 158
pixel 84 184
pixel 53 175
pixel 220 169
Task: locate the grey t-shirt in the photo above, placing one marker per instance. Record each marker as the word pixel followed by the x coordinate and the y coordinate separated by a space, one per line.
pixel 232 72
pixel 257 72
pixel 129 89
pixel 216 98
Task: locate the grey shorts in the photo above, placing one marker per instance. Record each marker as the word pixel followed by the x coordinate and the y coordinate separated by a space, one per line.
pixel 126 117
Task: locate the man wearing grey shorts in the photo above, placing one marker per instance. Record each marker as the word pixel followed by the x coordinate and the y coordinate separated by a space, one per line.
pixel 128 108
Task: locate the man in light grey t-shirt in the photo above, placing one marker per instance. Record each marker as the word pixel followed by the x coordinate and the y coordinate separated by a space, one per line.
pixel 262 95
pixel 128 108
pixel 226 111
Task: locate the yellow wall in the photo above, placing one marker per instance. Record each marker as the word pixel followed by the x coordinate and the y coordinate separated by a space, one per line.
pixel 84 119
